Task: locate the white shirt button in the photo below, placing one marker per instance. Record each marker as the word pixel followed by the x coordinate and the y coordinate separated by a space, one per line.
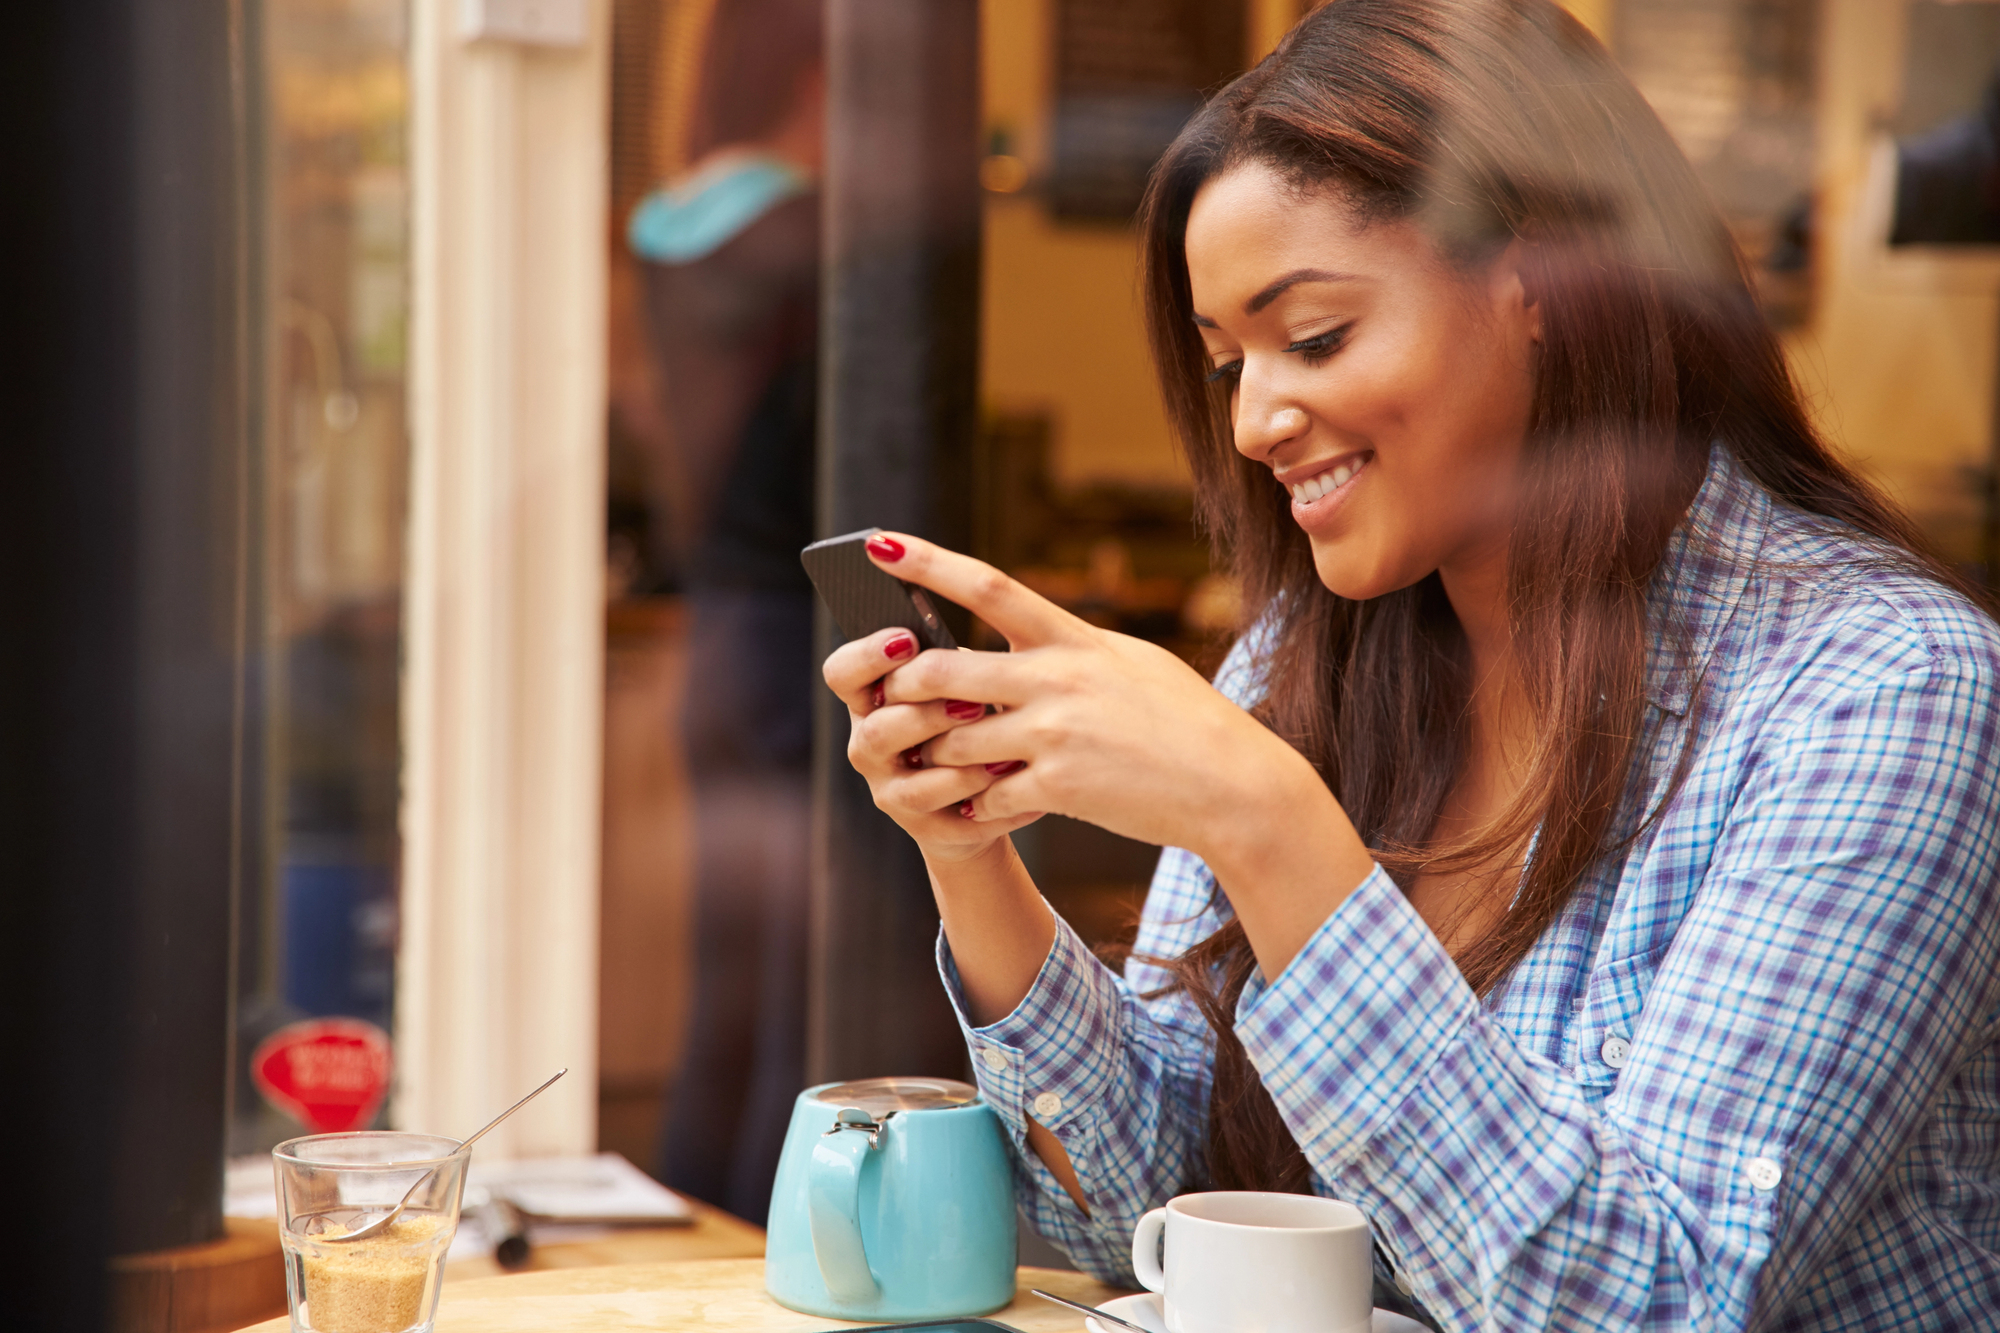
pixel 1404 1285
pixel 1616 1051
pixel 993 1058
pixel 1764 1174
pixel 1048 1104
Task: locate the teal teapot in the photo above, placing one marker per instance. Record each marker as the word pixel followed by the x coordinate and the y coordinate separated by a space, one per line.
pixel 894 1201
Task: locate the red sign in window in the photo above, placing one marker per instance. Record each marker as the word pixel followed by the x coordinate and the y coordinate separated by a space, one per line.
pixel 329 1073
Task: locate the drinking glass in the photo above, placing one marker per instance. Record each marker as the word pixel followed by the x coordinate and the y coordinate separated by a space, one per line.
pixel 332 1183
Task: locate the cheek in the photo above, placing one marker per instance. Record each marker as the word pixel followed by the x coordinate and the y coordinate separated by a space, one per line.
pixel 1369 396
pixel 1446 430
pixel 1452 407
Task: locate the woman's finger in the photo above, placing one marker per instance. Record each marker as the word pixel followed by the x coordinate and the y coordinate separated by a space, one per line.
pixel 1013 799
pixel 946 830
pixel 999 738
pixel 897 728
pixel 1023 616
pixel 852 670
pixel 1006 679
pixel 928 791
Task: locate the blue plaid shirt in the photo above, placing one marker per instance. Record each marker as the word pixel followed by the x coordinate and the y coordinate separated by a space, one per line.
pixel 1748 1078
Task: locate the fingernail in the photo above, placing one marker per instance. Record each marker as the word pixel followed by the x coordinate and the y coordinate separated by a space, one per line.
pixel 884 547
pixel 876 698
pixel 1006 766
pixel 899 647
pixel 965 808
pixel 962 710
pixel 913 757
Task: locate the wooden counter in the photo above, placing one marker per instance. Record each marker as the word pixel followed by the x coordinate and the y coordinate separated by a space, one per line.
pixel 712 1295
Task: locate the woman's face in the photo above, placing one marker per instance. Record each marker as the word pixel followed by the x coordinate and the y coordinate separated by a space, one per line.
pixel 1387 390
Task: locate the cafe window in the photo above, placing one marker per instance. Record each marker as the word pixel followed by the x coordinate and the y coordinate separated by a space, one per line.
pixel 330 284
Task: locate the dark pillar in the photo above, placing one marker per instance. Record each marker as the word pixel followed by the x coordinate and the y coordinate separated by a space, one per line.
pixel 121 558
pixel 898 411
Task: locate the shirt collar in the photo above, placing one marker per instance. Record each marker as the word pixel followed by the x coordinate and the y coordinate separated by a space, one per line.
pixel 1702 577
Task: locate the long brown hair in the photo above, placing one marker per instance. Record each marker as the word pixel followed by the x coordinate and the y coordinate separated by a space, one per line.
pixel 1485 122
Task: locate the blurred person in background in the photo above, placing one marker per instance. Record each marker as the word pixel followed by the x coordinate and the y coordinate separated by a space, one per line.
pixel 1948 180
pixel 730 253
pixel 1586 864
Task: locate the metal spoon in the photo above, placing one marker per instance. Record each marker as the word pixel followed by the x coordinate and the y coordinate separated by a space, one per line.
pixel 396 1212
pixel 1092 1311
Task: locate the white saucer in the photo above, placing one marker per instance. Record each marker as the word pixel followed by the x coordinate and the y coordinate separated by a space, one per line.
pixel 1145 1311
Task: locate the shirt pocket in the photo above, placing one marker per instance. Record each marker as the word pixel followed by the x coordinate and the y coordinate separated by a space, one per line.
pixel 1600 1043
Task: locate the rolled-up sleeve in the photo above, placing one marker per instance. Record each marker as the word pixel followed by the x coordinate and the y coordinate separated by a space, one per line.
pixel 1118 1075
pixel 1835 963
pixel 1116 1067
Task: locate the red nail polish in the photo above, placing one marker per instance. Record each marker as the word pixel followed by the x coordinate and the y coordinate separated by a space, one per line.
pixel 913 757
pixel 899 647
pixel 884 547
pixel 1006 766
pixel 965 808
pixel 961 710
pixel 876 698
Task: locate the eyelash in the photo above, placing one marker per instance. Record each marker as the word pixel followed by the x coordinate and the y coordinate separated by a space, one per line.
pixel 1316 350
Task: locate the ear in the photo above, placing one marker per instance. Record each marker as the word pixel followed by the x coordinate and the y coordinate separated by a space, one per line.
pixel 1511 288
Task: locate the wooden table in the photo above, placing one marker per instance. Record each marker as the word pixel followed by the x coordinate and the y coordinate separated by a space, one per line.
pixel 714 1234
pixel 709 1295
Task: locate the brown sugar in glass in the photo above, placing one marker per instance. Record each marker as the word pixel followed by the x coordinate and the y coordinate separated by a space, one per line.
pixel 330 1184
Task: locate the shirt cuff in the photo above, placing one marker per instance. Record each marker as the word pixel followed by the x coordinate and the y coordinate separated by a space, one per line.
pixel 1057 1050
pixel 1354 1025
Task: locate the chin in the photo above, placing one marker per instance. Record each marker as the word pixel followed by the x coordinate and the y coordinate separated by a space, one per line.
pixel 1359 578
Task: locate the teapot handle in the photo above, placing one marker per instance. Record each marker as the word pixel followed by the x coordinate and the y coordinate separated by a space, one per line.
pixel 833 1199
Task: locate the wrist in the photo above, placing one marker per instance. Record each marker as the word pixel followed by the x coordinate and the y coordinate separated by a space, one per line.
pixel 997 925
pixel 969 862
pixel 1264 807
pixel 1286 855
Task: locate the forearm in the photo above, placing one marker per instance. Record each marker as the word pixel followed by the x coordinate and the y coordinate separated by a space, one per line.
pixel 1103 1094
pixel 1283 851
pixel 999 928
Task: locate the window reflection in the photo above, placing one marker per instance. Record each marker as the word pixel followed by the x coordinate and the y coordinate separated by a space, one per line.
pixel 319 919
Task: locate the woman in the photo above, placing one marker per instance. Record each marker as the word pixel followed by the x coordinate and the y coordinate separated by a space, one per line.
pixel 731 261
pixel 1586 865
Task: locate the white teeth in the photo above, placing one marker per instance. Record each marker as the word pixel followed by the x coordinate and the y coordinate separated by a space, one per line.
pixel 1314 488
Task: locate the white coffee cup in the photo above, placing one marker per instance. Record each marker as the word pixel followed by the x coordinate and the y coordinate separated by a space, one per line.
pixel 1246 1262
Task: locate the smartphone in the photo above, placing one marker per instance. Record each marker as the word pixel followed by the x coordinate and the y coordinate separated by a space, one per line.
pixel 939 1325
pixel 864 599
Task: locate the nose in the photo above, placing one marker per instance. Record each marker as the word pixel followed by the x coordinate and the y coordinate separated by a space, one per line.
pixel 1264 423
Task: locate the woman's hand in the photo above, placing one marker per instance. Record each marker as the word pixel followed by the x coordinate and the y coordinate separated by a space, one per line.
pixel 1101 727
pixel 885 741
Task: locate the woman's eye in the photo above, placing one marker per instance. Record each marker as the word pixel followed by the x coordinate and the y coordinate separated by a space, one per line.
pixel 1228 370
pixel 1321 345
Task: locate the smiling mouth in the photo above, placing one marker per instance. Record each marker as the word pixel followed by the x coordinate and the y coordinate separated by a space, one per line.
pixel 1323 484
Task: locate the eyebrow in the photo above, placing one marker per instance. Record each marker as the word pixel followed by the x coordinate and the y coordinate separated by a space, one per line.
pixel 1289 281
pixel 1280 287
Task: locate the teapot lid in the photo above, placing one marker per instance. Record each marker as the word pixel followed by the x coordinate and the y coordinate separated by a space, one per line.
pixel 882 1096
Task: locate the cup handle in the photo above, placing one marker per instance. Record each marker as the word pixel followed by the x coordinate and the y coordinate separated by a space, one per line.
pixel 1146 1250
pixel 833 1207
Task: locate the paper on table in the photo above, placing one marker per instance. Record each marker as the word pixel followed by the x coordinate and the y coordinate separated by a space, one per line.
pixel 249 1188
pixel 604 1188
